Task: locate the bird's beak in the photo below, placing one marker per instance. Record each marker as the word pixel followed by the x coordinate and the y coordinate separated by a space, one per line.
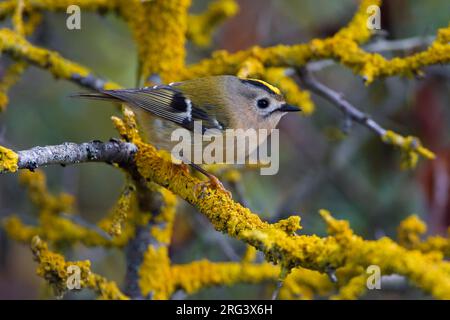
pixel 288 108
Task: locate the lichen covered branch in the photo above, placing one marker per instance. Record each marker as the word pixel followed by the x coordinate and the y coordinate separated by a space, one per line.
pixel 19 48
pixel 141 221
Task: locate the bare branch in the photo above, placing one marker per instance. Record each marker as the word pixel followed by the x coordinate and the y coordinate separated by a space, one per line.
pixel 337 99
pixel 410 146
pixel 113 151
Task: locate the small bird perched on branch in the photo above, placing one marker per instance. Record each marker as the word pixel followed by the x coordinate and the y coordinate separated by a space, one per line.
pixel 219 102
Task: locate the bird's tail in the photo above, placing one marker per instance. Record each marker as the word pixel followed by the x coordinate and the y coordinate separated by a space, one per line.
pixel 96 96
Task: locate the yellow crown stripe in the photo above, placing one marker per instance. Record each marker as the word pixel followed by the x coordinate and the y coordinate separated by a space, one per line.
pixel 268 85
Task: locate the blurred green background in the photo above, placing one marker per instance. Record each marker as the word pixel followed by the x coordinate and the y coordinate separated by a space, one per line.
pixel 355 176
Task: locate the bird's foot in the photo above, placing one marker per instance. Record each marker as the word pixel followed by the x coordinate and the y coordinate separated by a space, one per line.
pixel 184 167
pixel 213 183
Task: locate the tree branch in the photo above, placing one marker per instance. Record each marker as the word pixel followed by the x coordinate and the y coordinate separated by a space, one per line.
pixel 410 146
pixel 113 151
pixel 19 48
pixel 337 99
pixel 384 45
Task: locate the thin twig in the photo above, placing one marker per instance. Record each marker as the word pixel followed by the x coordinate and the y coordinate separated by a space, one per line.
pixel 337 99
pixel 86 224
pixel 276 292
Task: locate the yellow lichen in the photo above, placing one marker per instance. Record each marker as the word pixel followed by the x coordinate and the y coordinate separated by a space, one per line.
pixel 11 76
pixel 121 210
pixel 201 26
pixel 302 261
pixel 52 225
pixel 56 270
pixel 154 274
pixel 160 41
pixel 8 160
pixel 41 197
pixel 343 47
pixel 19 47
pixel 162 232
pixel 305 284
pixel 410 146
pixel 410 232
pixel 17 18
pixel 249 255
pixel 281 247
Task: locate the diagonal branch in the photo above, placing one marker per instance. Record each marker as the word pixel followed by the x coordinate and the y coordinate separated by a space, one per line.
pixel 410 146
pixel 337 99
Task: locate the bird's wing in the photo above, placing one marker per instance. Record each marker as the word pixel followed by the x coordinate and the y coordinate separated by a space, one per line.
pixel 165 102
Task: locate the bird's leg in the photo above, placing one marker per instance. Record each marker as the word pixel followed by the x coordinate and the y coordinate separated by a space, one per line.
pixel 183 166
pixel 213 182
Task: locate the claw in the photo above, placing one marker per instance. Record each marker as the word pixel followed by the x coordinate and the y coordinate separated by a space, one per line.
pixel 213 183
pixel 216 184
pixel 184 167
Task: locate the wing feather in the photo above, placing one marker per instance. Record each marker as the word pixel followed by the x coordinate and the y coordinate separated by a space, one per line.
pixel 165 102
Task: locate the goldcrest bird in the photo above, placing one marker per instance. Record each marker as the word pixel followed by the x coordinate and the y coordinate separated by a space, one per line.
pixel 220 102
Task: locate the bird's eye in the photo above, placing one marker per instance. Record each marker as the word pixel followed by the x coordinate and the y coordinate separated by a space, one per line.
pixel 263 103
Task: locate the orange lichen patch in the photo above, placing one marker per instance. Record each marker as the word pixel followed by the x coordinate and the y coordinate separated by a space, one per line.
pixel 8 160
pixel 58 272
